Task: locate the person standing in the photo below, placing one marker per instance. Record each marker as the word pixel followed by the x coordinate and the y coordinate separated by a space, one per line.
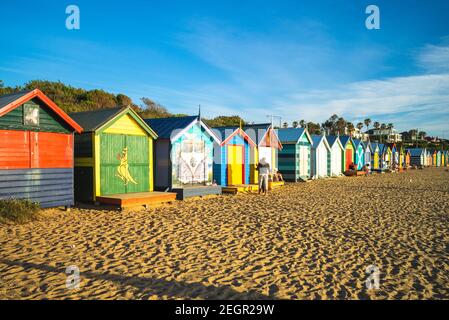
pixel 264 170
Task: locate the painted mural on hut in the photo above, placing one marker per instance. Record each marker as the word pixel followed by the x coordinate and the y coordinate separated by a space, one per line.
pixel 192 158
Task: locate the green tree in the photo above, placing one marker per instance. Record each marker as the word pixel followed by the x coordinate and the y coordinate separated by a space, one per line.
pixel 359 126
pixel 302 123
pixel 367 123
pixel 295 124
pixel 285 125
pixel 151 109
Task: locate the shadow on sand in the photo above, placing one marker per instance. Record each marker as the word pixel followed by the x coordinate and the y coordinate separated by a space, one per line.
pixel 151 286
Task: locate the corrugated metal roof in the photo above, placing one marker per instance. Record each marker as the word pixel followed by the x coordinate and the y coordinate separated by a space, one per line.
pixel 344 140
pixel 331 140
pixel 416 152
pixel 8 98
pixel 357 142
pixel 290 135
pixel 316 139
pixel 165 126
pixel 92 120
pixel 224 132
pixel 257 131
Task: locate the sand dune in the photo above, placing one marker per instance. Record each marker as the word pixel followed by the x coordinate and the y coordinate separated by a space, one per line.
pixel 304 241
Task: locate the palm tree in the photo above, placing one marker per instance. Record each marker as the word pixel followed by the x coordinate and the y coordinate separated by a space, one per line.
pixel 359 125
pixel 383 126
pixel 285 125
pixel 295 124
pixel 367 122
pixel 302 123
pixel 376 125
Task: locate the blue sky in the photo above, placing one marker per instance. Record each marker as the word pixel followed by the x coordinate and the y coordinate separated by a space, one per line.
pixel 296 59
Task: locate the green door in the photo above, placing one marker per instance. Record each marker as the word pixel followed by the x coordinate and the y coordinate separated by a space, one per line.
pixel 124 165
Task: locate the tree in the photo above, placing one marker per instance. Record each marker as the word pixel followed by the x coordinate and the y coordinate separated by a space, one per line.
pixel 152 109
pixel 314 128
pixel 225 121
pixel 376 125
pixel 359 126
pixel 123 101
pixel 302 123
pixel 1 84
pixel 367 122
pixel 295 124
pixel 285 125
pixel 350 127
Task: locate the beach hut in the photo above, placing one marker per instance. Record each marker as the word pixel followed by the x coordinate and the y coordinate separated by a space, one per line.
pixel 407 158
pixel 337 155
pixel 233 158
pixel 184 156
pixel 385 156
pixel 36 150
pixel 438 158
pixel 359 154
pixel 374 155
pixel 114 158
pixel 295 155
pixel 433 160
pixel 446 161
pixel 348 144
pixel 428 158
pixel 401 156
pixel 368 151
pixel 321 157
pixel 394 158
pixel 418 156
pixel 268 143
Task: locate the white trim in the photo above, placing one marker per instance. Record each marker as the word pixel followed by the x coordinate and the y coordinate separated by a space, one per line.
pixel 183 131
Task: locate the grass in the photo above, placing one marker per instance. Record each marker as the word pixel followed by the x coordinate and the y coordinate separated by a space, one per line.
pixel 18 210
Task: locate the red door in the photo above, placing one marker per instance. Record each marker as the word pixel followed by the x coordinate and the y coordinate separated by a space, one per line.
pixel 348 158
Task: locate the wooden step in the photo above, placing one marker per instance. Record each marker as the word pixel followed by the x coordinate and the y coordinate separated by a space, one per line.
pixel 127 200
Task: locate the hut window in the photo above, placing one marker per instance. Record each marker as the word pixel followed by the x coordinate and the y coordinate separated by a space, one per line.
pixel 30 115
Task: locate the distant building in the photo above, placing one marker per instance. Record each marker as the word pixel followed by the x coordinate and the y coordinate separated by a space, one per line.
pixel 358 134
pixel 385 135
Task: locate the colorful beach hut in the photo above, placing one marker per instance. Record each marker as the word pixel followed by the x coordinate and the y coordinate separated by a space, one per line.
pixel 114 158
pixel 359 154
pixel 233 158
pixel 417 156
pixel 337 156
pixel 433 160
pixel 184 156
pixel 367 155
pixel 295 156
pixel 401 156
pixel 407 158
pixel 374 155
pixel 348 145
pixel 268 143
pixel 385 156
pixel 321 157
pixel 428 158
pixel 36 150
pixel 394 159
pixel 438 157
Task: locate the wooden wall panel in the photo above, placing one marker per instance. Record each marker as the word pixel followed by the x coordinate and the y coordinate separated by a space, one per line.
pixel 14 149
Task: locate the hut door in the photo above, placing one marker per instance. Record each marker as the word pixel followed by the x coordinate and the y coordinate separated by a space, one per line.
pixel 303 161
pixel 348 158
pixel 124 164
pixel 235 164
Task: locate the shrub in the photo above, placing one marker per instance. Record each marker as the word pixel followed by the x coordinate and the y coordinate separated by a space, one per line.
pixel 18 210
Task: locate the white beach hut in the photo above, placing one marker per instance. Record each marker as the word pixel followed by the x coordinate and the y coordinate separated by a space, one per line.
pixel 321 157
pixel 337 156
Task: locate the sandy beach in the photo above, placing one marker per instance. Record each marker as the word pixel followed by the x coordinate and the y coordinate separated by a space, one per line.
pixel 303 241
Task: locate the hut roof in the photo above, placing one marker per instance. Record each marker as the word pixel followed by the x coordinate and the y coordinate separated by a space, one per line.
pixel 416 152
pixel 344 140
pixel 99 119
pixel 358 142
pixel 318 139
pixel 9 102
pixel 373 146
pixel 292 135
pixel 226 133
pixel 164 127
pixel 332 140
